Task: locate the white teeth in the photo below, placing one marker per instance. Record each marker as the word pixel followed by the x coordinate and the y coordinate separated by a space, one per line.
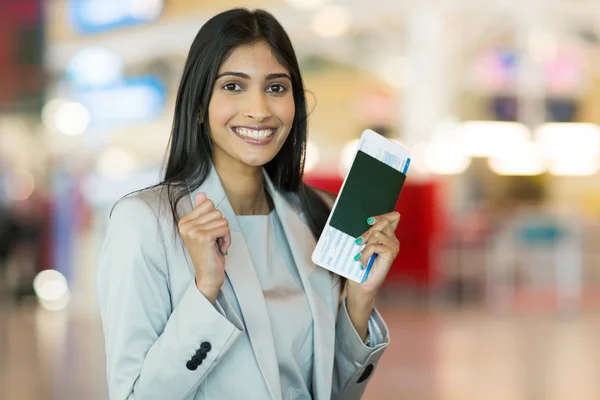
pixel 255 134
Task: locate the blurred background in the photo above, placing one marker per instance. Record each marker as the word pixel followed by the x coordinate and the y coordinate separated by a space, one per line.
pixel 496 292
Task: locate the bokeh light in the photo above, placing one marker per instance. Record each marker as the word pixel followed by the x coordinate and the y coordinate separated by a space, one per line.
pixel 67 117
pixel 52 290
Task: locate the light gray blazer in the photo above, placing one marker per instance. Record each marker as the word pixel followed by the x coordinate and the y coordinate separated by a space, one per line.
pixel 155 319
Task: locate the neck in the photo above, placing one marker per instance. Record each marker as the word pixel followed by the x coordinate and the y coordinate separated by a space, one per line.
pixel 244 186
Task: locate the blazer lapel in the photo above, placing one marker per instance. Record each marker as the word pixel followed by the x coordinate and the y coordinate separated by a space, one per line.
pixel 317 286
pixel 242 276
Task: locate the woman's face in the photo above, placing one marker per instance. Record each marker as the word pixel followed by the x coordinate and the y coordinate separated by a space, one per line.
pixel 251 110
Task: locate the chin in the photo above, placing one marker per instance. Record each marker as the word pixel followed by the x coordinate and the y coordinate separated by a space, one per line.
pixel 257 161
pixel 256 156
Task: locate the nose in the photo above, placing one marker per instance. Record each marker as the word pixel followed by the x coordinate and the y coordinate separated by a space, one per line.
pixel 258 107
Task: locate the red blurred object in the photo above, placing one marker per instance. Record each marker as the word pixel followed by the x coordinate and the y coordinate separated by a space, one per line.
pixel 420 226
pixel 21 56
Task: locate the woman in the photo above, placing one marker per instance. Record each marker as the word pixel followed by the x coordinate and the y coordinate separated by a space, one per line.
pixel 206 285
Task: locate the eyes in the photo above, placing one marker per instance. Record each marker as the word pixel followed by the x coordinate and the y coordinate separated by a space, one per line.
pixel 273 88
pixel 276 88
pixel 232 87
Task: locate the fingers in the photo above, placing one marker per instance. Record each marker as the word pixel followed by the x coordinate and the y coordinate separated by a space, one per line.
pixel 205 224
pixel 203 232
pixel 393 218
pixel 203 219
pixel 369 251
pixel 209 236
pixel 389 250
pixel 224 243
pixel 379 237
pixel 380 244
pixel 201 208
pixel 200 197
pixel 208 225
pixel 386 223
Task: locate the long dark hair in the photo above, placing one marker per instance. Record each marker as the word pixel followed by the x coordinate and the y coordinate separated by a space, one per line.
pixel 190 151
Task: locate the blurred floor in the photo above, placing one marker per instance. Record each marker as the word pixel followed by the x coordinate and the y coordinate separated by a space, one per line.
pixel 441 355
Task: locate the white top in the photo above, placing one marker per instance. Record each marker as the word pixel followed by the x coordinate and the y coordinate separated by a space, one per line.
pixel 289 312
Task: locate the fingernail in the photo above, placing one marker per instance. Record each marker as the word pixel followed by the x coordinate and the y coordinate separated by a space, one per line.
pixel 357 257
pixel 226 252
pixel 359 240
pixel 371 221
pixel 362 267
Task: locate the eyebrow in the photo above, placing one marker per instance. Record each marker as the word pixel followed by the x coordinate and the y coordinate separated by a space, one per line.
pixel 246 76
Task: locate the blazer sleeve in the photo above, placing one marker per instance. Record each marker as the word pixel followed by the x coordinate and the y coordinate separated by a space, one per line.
pixel 354 361
pixel 154 350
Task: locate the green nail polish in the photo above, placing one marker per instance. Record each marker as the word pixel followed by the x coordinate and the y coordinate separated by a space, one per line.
pixel 371 221
pixel 226 252
pixel 357 257
pixel 359 241
pixel 362 267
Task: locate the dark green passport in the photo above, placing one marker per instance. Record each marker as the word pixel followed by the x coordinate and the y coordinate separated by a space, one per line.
pixel 372 188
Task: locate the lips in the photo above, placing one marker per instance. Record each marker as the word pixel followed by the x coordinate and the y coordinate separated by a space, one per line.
pixel 260 135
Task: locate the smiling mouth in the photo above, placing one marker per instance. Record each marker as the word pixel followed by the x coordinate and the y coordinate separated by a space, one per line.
pixel 256 136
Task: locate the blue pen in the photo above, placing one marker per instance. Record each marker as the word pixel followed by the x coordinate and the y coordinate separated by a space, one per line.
pixel 369 265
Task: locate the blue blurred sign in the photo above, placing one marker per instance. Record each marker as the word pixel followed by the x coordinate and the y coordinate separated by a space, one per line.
pixel 92 16
pixel 540 232
pixel 129 101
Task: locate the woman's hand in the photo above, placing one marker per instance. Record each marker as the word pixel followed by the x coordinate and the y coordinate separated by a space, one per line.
pixel 381 240
pixel 206 236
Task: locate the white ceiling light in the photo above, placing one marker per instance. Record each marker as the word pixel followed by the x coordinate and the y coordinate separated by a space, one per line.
pixel 491 138
pixel 72 119
pixel 571 140
pixel 523 160
pixel 67 117
pixel 306 4
pixel 444 157
pixel 576 166
pixel 331 21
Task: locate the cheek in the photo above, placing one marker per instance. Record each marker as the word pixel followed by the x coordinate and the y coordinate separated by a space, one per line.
pixel 285 111
pixel 220 112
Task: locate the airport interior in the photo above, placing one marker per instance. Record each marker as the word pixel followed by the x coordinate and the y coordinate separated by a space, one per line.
pixel 495 293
